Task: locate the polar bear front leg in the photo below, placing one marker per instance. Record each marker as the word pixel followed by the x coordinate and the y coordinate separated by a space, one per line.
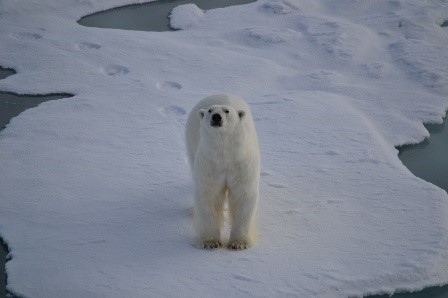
pixel 243 210
pixel 208 213
pixel 208 219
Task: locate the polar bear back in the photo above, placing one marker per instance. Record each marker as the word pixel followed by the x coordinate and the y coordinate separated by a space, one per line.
pixel 192 134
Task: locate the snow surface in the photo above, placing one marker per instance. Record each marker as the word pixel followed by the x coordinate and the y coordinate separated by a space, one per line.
pixel 95 189
pixel 185 16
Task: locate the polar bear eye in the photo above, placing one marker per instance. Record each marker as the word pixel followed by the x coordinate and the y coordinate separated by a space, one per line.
pixel 210 110
pixel 226 111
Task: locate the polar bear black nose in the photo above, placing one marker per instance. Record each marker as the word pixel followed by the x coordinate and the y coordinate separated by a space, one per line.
pixel 216 118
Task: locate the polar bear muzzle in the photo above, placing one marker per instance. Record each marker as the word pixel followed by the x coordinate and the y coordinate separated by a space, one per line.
pixel 216 120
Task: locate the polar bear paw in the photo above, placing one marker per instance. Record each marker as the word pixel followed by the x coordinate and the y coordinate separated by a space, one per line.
pixel 238 245
pixel 211 244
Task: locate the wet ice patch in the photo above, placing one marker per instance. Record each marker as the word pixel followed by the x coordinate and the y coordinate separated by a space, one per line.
pixel 185 16
pixel 281 7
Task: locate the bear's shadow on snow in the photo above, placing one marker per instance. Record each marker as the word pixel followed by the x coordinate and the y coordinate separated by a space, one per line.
pixel 166 216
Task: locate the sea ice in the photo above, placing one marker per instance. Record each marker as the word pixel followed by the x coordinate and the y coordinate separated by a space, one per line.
pixel 95 189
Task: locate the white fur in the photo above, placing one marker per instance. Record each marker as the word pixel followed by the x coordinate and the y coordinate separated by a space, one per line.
pixel 225 163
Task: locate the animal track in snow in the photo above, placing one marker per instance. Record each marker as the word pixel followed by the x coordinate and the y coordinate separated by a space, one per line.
pixel 375 70
pixel 272 102
pixel 115 70
pixel 26 36
pixel 332 152
pixel 173 111
pixel 87 46
pixel 277 185
pixel 335 201
pixel 293 211
pixel 271 36
pixel 169 86
pixel 242 277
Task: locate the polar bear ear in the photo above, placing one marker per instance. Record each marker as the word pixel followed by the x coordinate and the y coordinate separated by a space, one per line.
pixel 201 113
pixel 241 114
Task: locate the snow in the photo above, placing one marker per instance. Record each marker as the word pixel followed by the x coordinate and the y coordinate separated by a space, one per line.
pixel 281 7
pixel 96 189
pixel 185 16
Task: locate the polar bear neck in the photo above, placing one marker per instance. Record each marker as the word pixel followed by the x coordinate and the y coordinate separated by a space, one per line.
pixel 223 145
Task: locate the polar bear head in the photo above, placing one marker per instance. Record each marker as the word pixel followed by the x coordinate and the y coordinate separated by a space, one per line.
pixel 221 117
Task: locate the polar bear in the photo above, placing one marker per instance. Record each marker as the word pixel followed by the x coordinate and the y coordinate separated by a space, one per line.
pixel 224 156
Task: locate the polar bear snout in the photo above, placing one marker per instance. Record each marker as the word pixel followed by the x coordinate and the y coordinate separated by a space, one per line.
pixel 216 120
